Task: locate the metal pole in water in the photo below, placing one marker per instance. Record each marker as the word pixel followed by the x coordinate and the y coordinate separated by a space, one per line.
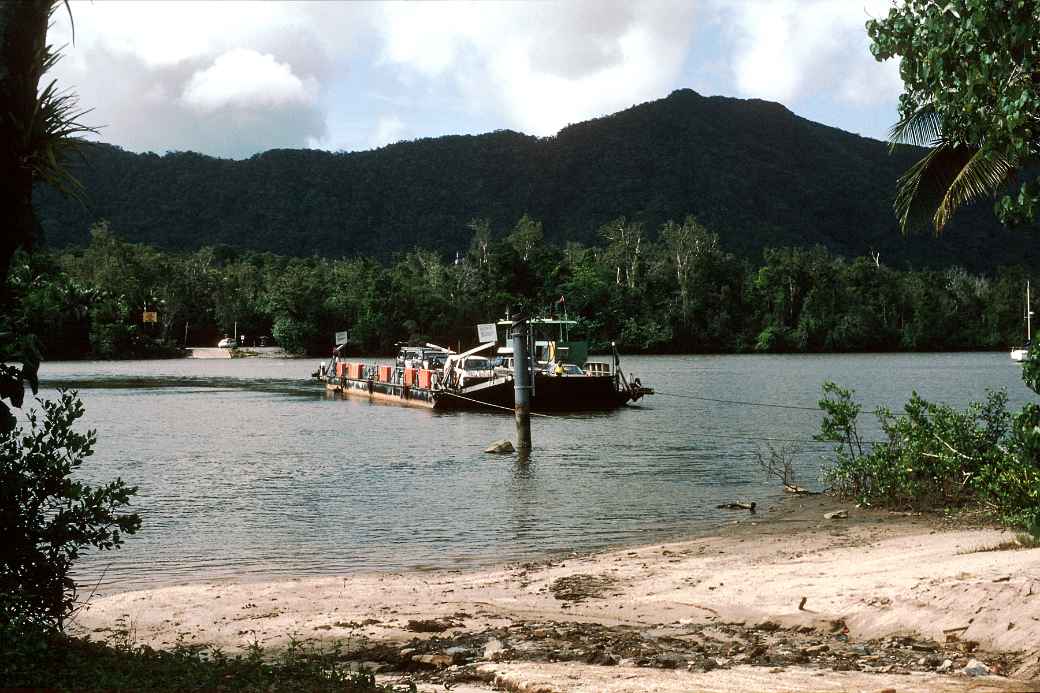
pixel 521 382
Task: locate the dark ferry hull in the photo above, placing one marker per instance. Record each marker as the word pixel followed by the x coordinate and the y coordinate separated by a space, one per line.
pixel 551 394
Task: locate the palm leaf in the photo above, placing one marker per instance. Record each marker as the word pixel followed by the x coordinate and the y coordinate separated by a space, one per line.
pixel 947 177
pixel 52 134
pixel 922 128
pixel 983 174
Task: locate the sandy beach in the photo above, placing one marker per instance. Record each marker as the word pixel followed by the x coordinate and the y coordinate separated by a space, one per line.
pixel 786 600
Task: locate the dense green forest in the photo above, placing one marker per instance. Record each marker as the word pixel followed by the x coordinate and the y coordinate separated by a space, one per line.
pixel 676 290
pixel 750 170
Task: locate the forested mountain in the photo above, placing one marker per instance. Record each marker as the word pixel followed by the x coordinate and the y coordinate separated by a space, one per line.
pixel 749 170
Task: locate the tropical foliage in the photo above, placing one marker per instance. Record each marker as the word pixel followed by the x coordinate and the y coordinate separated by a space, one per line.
pixel 932 456
pixel 47 516
pixel 971 74
pixel 54 661
pixel 680 293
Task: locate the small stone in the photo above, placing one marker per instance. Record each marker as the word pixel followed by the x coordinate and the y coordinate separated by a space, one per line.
pixel 836 515
pixel 607 659
pixel 500 447
pixel 667 660
pixel 493 647
pixel 432 625
pixel 975 668
pixel 816 649
pixel 436 660
pixel 945 666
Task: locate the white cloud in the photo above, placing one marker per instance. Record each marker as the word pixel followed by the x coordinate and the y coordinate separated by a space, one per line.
pixel 388 130
pixel 246 79
pixel 427 36
pixel 234 78
pixel 156 73
pixel 163 32
pixel 543 65
pixel 790 49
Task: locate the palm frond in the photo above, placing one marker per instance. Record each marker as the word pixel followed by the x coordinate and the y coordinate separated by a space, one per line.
pixel 983 174
pixel 922 128
pixel 923 187
pixel 54 132
pixel 55 4
pixel 947 177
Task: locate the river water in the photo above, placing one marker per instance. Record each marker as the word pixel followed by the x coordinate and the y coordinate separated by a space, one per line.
pixel 247 470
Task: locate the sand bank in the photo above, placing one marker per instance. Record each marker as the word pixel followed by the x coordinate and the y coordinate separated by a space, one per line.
pixel 784 601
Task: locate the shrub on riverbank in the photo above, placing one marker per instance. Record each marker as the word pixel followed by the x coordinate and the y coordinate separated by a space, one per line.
pixel 48 516
pixel 51 660
pixel 934 456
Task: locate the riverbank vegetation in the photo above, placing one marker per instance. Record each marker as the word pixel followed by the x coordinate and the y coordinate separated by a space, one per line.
pixel 677 290
pixel 970 96
pixel 932 456
pixel 55 661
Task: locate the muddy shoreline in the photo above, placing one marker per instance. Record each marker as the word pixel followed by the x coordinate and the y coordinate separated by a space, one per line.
pixel 875 600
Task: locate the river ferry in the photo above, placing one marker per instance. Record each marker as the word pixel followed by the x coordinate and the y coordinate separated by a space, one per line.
pixel 436 377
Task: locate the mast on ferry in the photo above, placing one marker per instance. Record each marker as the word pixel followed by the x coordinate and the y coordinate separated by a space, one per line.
pixel 1029 317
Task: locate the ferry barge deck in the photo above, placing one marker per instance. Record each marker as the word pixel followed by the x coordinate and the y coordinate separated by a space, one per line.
pixel 435 377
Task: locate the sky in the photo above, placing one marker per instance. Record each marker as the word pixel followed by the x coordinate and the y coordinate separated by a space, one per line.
pixel 232 79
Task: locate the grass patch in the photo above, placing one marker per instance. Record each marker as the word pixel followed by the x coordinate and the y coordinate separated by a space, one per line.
pixel 61 662
pixel 1021 541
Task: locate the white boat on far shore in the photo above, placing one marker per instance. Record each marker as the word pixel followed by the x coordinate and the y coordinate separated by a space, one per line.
pixel 1022 353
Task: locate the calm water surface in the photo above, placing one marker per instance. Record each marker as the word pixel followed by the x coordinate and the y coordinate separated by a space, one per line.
pixel 248 470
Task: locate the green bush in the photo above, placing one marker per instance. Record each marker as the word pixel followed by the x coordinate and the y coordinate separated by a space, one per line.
pixel 47 517
pixel 935 456
pixel 46 659
pixel 293 335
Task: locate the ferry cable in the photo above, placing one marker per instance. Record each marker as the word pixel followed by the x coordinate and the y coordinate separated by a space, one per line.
pixel 488 404
pixel 734 401
pixel 702 434
pixel 779 440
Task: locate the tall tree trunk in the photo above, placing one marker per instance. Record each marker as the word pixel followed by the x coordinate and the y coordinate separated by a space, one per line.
pixel 23 38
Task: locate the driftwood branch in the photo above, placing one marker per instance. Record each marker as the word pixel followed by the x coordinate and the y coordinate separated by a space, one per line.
pixel 777 463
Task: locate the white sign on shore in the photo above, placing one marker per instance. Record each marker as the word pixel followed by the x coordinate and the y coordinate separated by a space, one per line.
pixel 487 333
pixel 342 337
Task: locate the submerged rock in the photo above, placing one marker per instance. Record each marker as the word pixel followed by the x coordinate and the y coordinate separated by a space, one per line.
pixel 500 447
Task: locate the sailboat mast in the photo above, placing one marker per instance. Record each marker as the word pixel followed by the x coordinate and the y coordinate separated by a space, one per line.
pixel 1029 315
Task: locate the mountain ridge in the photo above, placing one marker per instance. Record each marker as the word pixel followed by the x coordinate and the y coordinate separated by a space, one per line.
pixel 751 170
